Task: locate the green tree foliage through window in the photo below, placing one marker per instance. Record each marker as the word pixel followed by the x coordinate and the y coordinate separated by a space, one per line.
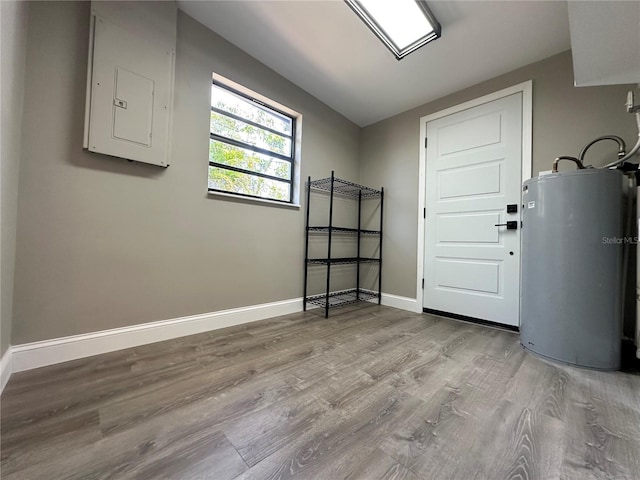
pixel 251 147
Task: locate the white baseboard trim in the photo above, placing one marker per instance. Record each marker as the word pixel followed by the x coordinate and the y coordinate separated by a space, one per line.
pixel 396 301
pixel 48 352
pixel 403 303
pixel 6 365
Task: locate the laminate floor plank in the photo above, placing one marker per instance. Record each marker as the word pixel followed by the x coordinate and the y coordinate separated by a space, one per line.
pixel 368 334
pixel 598 442
pixel 550 395
pixel 503 344
pixel 168 396
pixel 364 436
pixel 168 450
pixel 490 374
pixel 381 466
pixel 616 397
pixel 118 362
pixel 47 442
pixel 448 360
pixel 426 379
pixel 217 406
pixel 436 436
pixel 259 434
pixel 43 410
pixel 66 377
pixel 514 443
pixel 338 443
pixel 369 347
pixel 369 393
pixel 247 341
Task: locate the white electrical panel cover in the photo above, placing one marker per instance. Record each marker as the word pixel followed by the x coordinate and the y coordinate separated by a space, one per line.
pixel 130 91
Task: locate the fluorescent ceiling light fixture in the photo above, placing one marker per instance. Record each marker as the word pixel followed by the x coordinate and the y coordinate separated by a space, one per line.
pixel 402 25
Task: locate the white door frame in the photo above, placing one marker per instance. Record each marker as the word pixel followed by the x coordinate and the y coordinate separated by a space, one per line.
pixel 527 126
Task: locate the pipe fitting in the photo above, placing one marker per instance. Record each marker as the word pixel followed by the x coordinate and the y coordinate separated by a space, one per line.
pixel 554 169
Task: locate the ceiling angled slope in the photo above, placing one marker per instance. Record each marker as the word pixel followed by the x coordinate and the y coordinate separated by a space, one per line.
pixel 324 48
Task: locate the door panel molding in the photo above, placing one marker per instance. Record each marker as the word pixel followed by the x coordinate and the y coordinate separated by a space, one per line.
pixel 526 88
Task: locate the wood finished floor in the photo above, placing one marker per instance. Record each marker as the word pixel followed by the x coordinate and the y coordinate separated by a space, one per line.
pixel 371 393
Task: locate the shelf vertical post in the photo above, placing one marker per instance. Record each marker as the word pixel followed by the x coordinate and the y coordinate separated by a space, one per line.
pixel 306 248
pixel 380 256
pixel 326 305
pixel 358 256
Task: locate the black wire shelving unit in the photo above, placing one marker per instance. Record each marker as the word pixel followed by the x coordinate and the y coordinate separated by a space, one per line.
pixel 338 187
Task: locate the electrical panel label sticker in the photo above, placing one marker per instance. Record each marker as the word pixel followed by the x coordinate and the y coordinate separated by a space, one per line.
pixel 531 204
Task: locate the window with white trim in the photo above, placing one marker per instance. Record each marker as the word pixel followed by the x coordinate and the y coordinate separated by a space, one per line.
pixel 252 145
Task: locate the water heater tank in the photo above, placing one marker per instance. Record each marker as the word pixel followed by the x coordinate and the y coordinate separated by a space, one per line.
pixel 572 242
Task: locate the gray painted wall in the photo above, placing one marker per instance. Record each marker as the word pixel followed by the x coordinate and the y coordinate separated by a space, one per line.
pixel 565 118
pixel 105 243
pixel 13 43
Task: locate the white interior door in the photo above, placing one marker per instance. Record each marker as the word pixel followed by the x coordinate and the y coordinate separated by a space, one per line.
pixel 473 171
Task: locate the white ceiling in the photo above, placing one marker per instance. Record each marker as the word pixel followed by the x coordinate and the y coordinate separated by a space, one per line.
pixel 324 48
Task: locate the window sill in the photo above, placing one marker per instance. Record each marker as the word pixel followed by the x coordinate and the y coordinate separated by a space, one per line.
pixel 263 201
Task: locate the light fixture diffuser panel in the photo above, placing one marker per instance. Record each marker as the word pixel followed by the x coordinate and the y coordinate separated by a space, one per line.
pixel 402 25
